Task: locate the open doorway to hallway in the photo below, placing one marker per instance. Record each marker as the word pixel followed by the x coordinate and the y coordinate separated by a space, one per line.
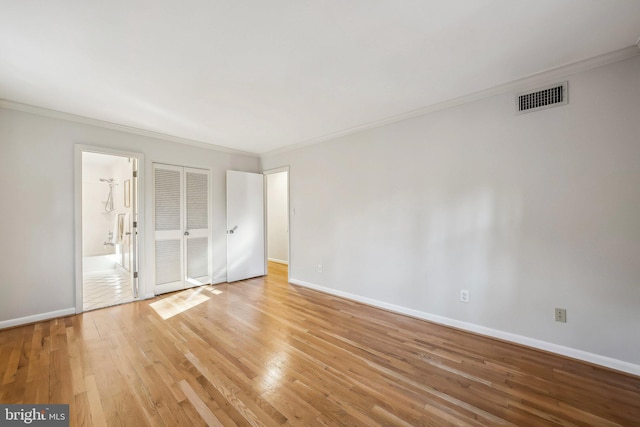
pixel 278 271
pixel 109 224
pixel 277 186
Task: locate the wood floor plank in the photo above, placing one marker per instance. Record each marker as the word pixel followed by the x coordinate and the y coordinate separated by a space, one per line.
pixel 82 410
pixel 12 360
pixel 229 390
pixel 199 405
pixel 291 405
pixel 264 352
pixel 96 410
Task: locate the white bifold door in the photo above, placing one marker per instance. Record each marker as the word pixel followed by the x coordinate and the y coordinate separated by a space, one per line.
pixel 182 228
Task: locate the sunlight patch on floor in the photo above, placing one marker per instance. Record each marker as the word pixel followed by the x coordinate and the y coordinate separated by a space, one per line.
pixel 178 303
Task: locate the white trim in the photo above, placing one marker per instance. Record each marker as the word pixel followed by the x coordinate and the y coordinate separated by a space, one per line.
pixel 597 359
pixel 77 220
pixel 279 261
pixel 121 269
pixel 516 85
pixel 219 279
pixel 46 112
pixel 37 318
pixel 525 83
pixel 276 170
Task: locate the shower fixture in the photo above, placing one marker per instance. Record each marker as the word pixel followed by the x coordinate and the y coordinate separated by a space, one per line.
pixel 108 206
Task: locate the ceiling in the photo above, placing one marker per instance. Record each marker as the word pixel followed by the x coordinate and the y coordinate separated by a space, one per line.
pixel 258 75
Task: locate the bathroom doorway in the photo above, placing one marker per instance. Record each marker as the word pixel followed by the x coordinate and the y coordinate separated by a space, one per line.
pixel 108 230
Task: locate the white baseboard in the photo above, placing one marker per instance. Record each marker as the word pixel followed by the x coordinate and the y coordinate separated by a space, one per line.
pixel 121 269
pixel 279 261
pixel 220 278
pixel 596 359
pixel 36 318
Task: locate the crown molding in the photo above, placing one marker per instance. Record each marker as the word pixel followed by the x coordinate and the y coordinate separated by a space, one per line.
pixel 46 112
pixel 525 83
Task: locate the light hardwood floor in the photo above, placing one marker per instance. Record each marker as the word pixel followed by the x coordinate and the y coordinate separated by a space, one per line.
pixel 263 352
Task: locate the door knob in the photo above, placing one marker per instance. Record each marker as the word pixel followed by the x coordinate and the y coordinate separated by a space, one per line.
pixel 186 233
pixel 232 230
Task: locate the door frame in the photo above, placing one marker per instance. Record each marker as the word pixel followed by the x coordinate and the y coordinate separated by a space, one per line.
pixel 266 219
pixel 77 187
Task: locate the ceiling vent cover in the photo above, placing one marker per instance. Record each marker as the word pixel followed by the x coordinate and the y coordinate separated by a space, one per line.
pixel 539 99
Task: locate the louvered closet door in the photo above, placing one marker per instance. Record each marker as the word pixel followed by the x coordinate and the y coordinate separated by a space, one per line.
pixel 182 228
pixel 169 219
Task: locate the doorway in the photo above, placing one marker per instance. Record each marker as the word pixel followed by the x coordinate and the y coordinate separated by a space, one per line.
pixel 107 269
pixel 277 191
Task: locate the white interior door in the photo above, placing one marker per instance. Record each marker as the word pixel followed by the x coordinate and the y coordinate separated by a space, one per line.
pixel 245 226
pixel 182 228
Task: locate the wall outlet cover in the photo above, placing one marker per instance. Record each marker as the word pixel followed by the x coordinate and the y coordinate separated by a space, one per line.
pixel 464 295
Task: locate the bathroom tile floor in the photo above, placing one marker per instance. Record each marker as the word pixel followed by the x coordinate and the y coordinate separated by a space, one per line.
pixel 105 288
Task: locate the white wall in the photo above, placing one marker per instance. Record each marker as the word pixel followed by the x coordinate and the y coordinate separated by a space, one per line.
pixel 277 217
pixel 528 212
pixel 37 189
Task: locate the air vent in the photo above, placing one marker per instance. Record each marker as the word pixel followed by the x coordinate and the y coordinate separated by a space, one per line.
pixel 539 99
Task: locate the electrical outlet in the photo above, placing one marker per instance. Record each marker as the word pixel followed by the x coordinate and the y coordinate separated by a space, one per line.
pixel 319 268
pixel 464 295
pixel 561 315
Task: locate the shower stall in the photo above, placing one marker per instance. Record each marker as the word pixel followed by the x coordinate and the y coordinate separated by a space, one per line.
pixel 108 205
pixel 108 235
